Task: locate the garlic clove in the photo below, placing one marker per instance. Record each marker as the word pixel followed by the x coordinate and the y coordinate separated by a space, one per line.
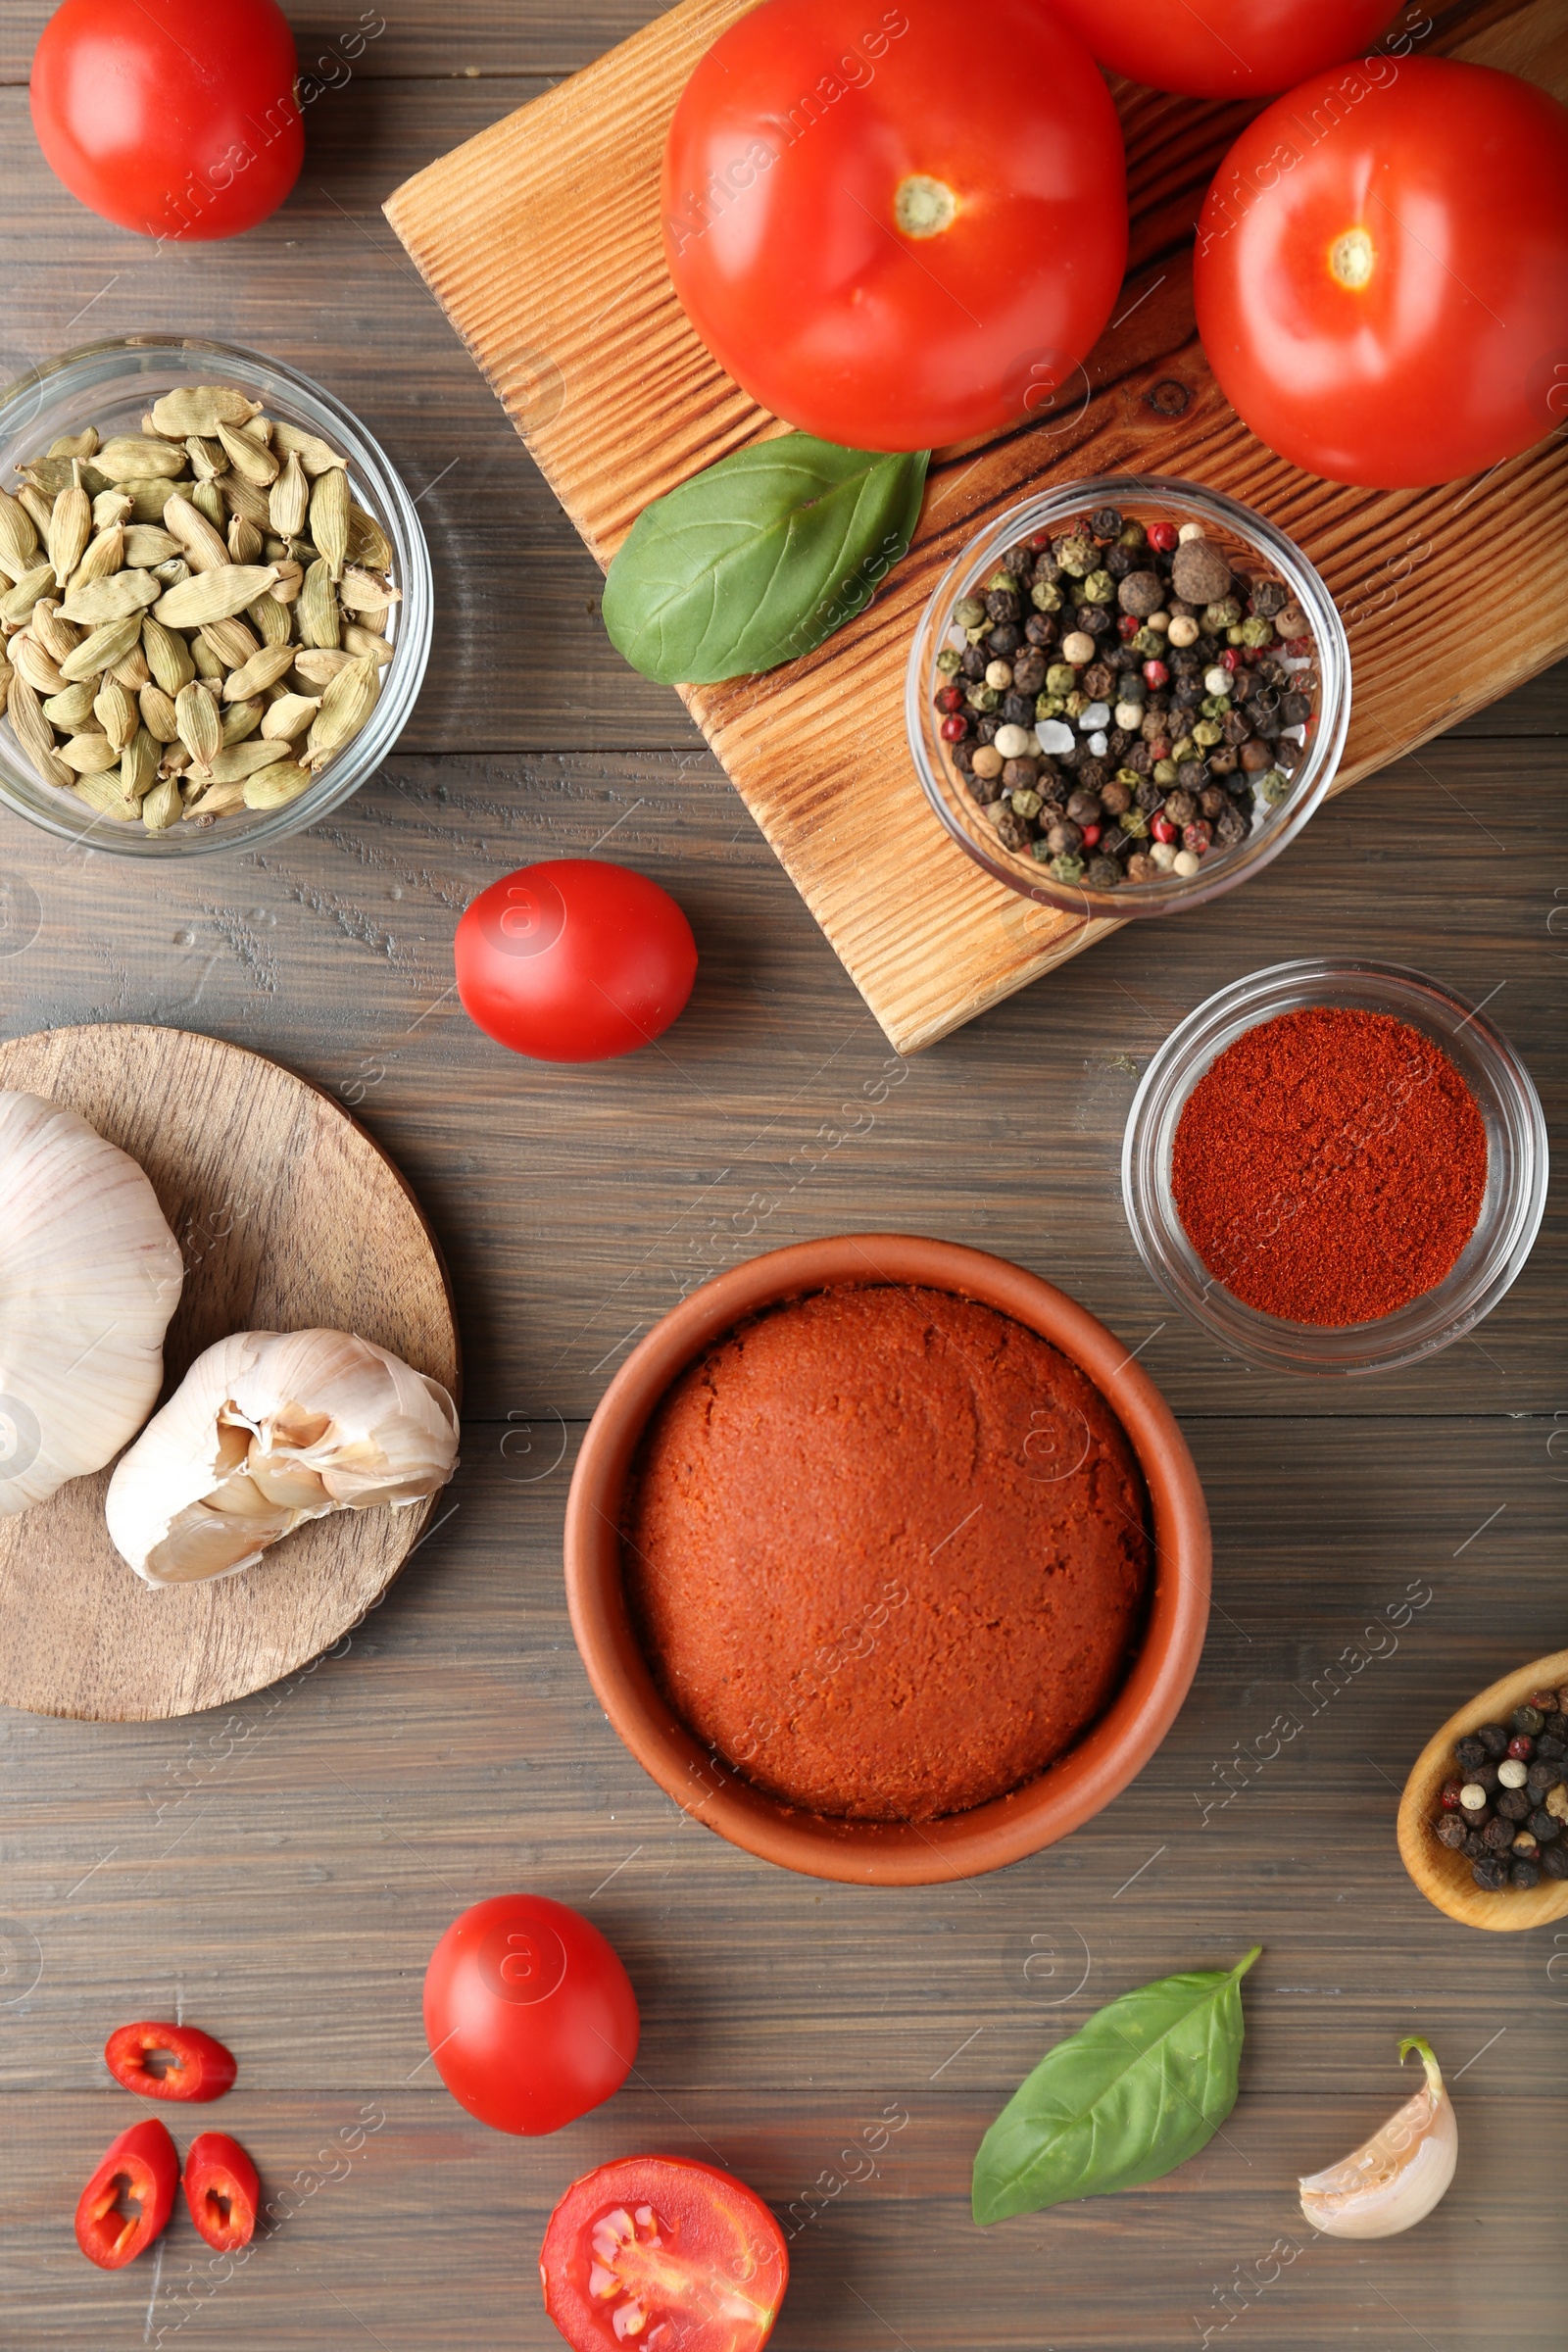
pixel 89 1277
pixel 266 1431
pixel 1393 2179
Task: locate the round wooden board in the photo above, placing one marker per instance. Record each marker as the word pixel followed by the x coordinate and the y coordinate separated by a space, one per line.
pixel 289 1218
pixel 1444 1878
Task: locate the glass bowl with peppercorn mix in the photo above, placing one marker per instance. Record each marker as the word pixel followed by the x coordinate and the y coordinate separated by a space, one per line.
pixel 96 744
pixel 1335 1166
pixel 1127 695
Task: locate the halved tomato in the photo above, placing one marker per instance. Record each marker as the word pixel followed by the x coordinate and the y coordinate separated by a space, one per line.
pixel 665 2254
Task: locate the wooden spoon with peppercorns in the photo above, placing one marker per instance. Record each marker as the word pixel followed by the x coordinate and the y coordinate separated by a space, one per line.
pixel 1446 1877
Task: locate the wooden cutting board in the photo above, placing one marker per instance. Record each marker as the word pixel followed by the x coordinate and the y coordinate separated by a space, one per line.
pixel 289 1218
pixel 541 240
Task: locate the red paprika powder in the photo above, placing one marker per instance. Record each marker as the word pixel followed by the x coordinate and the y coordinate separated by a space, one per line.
pixel 1329 1167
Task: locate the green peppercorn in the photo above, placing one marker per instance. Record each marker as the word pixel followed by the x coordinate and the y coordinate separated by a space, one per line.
pixel 1077 703
pixel 1223 613
pixel 1076 558
pixel 1130 777
pixel 984 698
pixel 1132 535
pixel 1183 748
pixel 1149 645
pixel 1275 787
pixel 1045 597
pixel 1164 773
pixel 978 636
pixel 1099 588
pixel 968 612
pixel 1049 706
pixel 1007 581
pixel 1215 707
pixel 1068 868
pixel 1233 636
pixel 1135 822
pixel 1061 678
pixel 1206 733
pixel 1258 630
pixel 1027 804
pixel 949 662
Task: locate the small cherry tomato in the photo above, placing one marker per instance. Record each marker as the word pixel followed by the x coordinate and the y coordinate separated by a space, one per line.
pixel 659 2251
pixel 877 242
pixel 1381 276
pixel 1225 48
pixel 221 2190
pixel 178 120
pixel 574 961
pixel 530 2017
pixel 198 2068
pixel 141 2168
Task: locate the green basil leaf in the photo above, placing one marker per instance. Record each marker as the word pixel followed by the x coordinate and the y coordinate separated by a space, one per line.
pixel 760 557
pixel 1143 2086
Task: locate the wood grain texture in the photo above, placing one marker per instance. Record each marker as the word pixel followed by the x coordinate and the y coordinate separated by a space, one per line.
pixel 542 241
pixel 289 1218
pixel 1444 1878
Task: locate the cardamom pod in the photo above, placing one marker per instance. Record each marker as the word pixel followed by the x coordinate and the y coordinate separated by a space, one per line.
pixel 76 445
pixel 6 674
pixel 16 606
pixel 262 670
pixel 69 529
pixel 168 655
pixel 207 458
pixel 245 541
pixel 366 641
pixel 201 409
pixel 104 795
pixel 173 573
pixel 30 661
pixel 289 501
pixel 276 787
pixel 161 805
pixel 208 665
pixel 271 621
pixel 289 716
pixel 138 764
pixel 117 712
pixel 320 668
pixel 150 543
pixel 102 556
pixel 213 595
pixel 34 733
pixel 148 499
pixel 72 708
pixel 249 457
pixel 346 704
pixel 319 621
pixel 157 709
pixel 241 759
pixel 242 497
pixel 219 799
pixel 19 541
pixel 109 508
pixel 313 452
pixel 39 507
pixel 365 592
pixel 329 519
pixel 102 648
pixel 290 581
pixel 192 531
pixel 200 728
pixel 58 637
pixel 368 544
pixel 232 641
pixel 114 599
pixel 131 669
pixel 241 720
pixel 89 755
pixel 208 499
pixel 133 457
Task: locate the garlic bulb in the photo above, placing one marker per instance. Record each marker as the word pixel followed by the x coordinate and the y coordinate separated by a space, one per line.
pixel 265 1431
pixel 1396 2178
pixel 89 1276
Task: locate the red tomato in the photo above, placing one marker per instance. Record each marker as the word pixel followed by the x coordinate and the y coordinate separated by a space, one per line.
pixel 665 2254
pixel 176 117
pixel 221 2190
pixel 199 2067
pixel 1225 48
pixel 530 2015
pixel 882 244
pixel 1382 272
pixel 140 2167
pixel 574 961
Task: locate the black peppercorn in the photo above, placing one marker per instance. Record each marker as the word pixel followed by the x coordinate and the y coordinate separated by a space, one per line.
pixel 1470 1752
pixel 1040 629
pixel 1542 1775
pixel 1018 709
pixel 1098 682
pixel 1545 1826
pixel 1119 562
pixel 1191 776
pixel 1498 1834
pixel 1013 831
pixel 1473 1846
pixel 1085 809
pixel 1222 764
pixel 1029 669
pixel 1229 826
pixel 1094 620
pixel 1527 1720
pixel 1524 1874
pixel 1513 1804
pixel 973 662
pixel 1268 597
pixel 1180 807
pixel 1002 604
pixel 1554 1861
pixel 1263 717
pixel 1106 523
pixel 989 727
pixel 1116 796
pixel 1020 562
pixel 1550 1748
pixel 1003 642
pixel 1450 1831
pixel 1495 1738
pixel 1187 693
pixel 1065 839
pixel 1104 873
pixel 1490 1874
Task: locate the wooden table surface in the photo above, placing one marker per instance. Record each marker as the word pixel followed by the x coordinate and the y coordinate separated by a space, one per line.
pixel 280 1872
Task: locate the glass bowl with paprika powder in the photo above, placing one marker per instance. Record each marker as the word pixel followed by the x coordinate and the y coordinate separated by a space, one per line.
pixel 1335 1166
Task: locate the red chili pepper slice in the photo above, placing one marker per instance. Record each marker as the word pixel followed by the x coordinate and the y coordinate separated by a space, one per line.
pixel 199 2067
pixel 221 2190
pixel 141 2168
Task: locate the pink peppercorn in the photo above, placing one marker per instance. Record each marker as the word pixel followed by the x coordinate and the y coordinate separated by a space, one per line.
pixel 1161 828
pixel 949 699
pixel 1522 1747
pixel 1156 673
pixel 1090 835
pixel 954 729
pixel 1128 626
pixel 1232 659
pixel 1450 1799
pixel 1163 538
pixel 1160 750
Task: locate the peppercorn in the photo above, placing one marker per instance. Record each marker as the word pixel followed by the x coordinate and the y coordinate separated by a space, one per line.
pixel 1098 682
pixel 1291 621
pixel 1197 837
pixel 987 728
pixel 1106 523
pixel 1064 838
pixel 955 728
pixel 1472 1797
pixel 1472 1848
pixel 987 761
pixel 1490 1874
pixel 1512 1772
pixel 1543 1773
pixel 974 664
pixel 1084 809
pixel 1493 1738
pixel 1013 831
pixel 1180 807
pixel 1513 1804
pixel 1545 1702
pixel 1499 1833
pixel 1141 867
pixel 1545 1826
pixel 1526 1721
pixel 1557 1801
pixel 1521 1748
pixel 1046 596
pixel 1451 1832
pixel 1229 826
pixel 1525 1873
pixel 1199 573
pixel 1003 641
pixel 1268 597
pixel 1019 560
pixel 1554 1861
pixel 1103 873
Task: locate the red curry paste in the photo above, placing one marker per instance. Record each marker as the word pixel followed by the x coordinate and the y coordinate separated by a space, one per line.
pixel 1330 1166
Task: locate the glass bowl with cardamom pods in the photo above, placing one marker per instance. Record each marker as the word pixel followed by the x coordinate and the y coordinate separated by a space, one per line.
pixel 215 598
pixel 1127 695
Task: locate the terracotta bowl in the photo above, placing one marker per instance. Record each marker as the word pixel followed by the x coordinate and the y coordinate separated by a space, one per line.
pixel 881 1853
